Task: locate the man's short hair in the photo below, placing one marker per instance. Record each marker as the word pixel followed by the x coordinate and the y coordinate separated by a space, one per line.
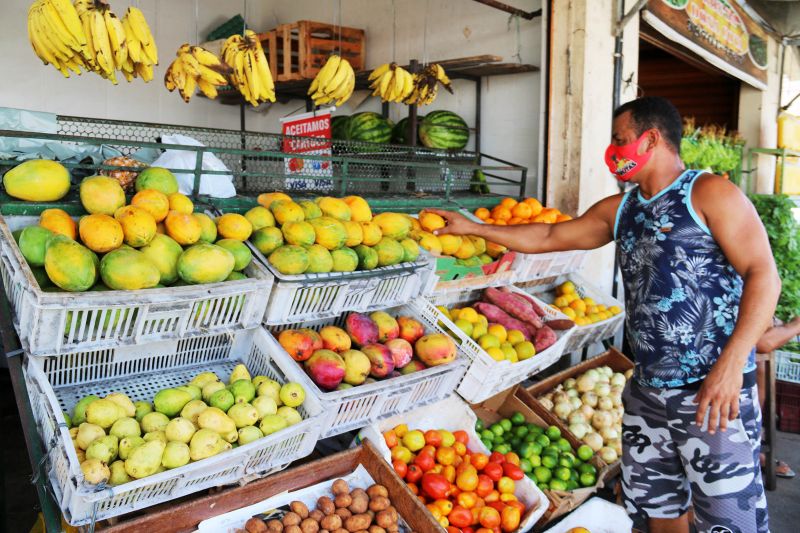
pixel 655 112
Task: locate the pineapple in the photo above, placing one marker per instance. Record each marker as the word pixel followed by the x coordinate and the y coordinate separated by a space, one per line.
pixel 126 178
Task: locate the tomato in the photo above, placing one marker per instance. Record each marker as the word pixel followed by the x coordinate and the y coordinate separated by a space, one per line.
pixel 506 484
pixel 460 448
pixel 413 488
pixel 513 471
pixel 447 438
pixel 429 450
pixel 460 517
pixel 485 485
pixel 402 453
pixel 437 469
pixel 414 473
pixel 479 460
pixel 512 458
pixel 444 522
pixel 449 472
pixel 467 530
pixel 424 461
pixel 493 496
pixel 434 510
pixel 497 505
pixel 466 466
pixel 507 497
pixel 461 436
pixel 435 485
pixel 400 430
pixel 467 500
pixel 467 480
pixel 489 517
pixel 484 530
pixel 400 467
pixel 509 519
pixel 444 506
pixel 518 504
pixel 452 529
pixel 497 458
pixel 445 455
pixel 494 471
pixel 390 437
pixel 433 437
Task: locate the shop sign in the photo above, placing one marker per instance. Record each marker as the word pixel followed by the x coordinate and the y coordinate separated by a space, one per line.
pixel 308 134
pixel 717 30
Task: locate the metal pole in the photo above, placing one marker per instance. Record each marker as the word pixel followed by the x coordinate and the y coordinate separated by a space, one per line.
pixel 411 184
pixel 478 88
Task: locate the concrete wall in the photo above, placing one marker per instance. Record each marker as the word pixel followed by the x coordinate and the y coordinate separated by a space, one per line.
pixel 454 29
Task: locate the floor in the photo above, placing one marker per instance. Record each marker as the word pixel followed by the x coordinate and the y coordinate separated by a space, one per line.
pixel 19 505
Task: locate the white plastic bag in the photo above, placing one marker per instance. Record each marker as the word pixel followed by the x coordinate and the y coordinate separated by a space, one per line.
pixel 215 185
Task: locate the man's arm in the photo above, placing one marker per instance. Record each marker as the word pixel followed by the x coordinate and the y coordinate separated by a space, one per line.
pixel 738 230
pixel 777 336
pixel 591 230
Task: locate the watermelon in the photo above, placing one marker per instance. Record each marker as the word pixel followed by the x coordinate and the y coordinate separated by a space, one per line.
pixel 339 127
pixel 444 130
pixel 369 127
pixel 400 131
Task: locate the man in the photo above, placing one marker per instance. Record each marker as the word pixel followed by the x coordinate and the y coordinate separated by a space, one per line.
pixel 700 287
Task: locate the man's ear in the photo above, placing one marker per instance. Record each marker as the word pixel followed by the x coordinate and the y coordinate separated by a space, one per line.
pixel 653 138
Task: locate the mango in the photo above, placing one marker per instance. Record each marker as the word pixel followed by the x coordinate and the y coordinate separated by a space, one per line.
pixel 69 265
pixel 33 244
pixel 355 233
pixel 381 360
pixel 372 233
pixel 435 349
pixel 430 242
pixel 401 351
pixel 234 226
pixel 59 221
pixel 268 198
pixel 410 329
pixel 410 250
pixel 326 369
pixel 390 252
pixel 205 263
pixel 319 260
pixel 260 217
pixel 367 257
pixel 361 329
pixel 357 367
pixel 330 232
pixel 344 260
pixel 183 227
pixel 154 202
pixel 267 240
pixel 479 243
pixel 101 194
pixel 310 209
pixel 334 207
pixel 208 229
pixel 163 252
pixel 393 225
pixel 298 233
pixel 241 253
pixel 449 244
pixel 37 180
pixel 388 328
pixel 157 178
pixel 128 269
pixel 287 211
pixel 466 250
pixel 359 209
pixel 290 259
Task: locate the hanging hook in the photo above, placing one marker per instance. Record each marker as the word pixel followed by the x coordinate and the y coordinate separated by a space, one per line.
pixel 196 21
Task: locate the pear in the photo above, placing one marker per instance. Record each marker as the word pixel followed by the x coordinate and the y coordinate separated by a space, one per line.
pixel 216 420
pixel 103 413
pixel 67 419
pixel 118 474
pixel 222 399
pixel 211 388
pixel 79 411
pixel 192 409
pixel 194 390
pixel 104 448
pixel 154 422
pixel 292 394
pixel 142 408
pixel 243 390
pixel 156 435
pixel 144 460
pixel 125 427
pixel 171 401
pixel 290 414
pixel 203 379
pixel 271 389
pixel 248 434
pixel 179 430
pixel 127 444
pixel 176 454
pixel 272 423
pixel 95 471
pixel 205 443
pixel 239 372
pixel 243 414
pixel 258 380
pixel 88 433
pixel 124 402
pixel 265 406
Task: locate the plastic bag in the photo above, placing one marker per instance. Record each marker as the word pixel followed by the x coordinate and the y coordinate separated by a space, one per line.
pixel 216 185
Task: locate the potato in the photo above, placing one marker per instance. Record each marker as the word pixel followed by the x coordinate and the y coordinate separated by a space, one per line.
pixel 376 529
pixel 309 525
pixel 379 503
pixel 299 508
pixel 340 530
pixel 317 515
pixel 291 519
pixel 360 501
pixel 331 522
pixel 343 500
pixel 293 529
pixel 344 513
pixel 386 518
pixel 274 526
pixel 255 525
pixel 357 522
pixel 326 505
pixel 377 490
pixel 340 486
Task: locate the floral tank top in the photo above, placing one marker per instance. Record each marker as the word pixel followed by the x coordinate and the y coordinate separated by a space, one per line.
pixel 681 293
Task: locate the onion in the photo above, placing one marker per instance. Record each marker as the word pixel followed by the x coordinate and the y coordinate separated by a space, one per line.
pixel 608 454
pixel 593 440
pixel 569 383
pixel 549 396
pixel 579 430
pixel 562 410
pixel 592 373
pixel 576 417
pixel 618 380
pixel 589 398
pixel 559 397
pixel 620 411
pixel 616 444
pixel 609 433
pixel 586 383
pixel 575 402
pixel 572 393
pixel 559 387
pixel 587 411
pixel 602 389
pixel 628 373
pixel 605 403
pixel 601 419
pixel 604 379
pixel 547 403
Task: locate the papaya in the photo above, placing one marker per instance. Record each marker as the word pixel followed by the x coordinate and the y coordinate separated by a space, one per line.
pixel 69 265
pixel 235 276
pixel 101 194
pixel 59 221
pixel 205 263
pixel 33 244
pixel 310 209
pixel 410 250
pixel 344 260
pixel 393 225
pixel 334 207
pixel 183 227
pixel 180 203
pixel 128 269
pixel 359 209
pixel 101 233
pixel 355 233
pixel 319 260
pixel 138 225
pixel 430 242
pixel 299 233
pixel 330 232
pixel 154 202
pixel 290 259
pixel 241 253
pixel 268 198
pixel 390 252
pixel 367 257
pixel 37 180
pixel 260 217
pixel 234 226
pixel 208 230
pixel 372 233
pixel 164 252
pixel 287 211
pixel 267 240
pixel 157 178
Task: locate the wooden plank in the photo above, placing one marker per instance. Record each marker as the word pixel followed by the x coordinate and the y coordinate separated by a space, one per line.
pixel 303 49
pixel 286 30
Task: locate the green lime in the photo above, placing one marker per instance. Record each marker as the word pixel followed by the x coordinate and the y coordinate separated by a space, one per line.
pixel 562 473
pixel 487 434
pixel 587 469
pixel 566 461
pixel 542 474
pixel 502 448
pixel 585 452
pixel 552 450
pixel 521 431
pixel 543 486
pixel 557 484
pixel 517 419
pixel 506 423
pixel 530 437
pixel 572 485
pixel 564 445
pixel 553 433
pixel 533 428
pixel 487 443
pixel 543 440
pixel 525 465
pixel 526 450
pixel 497 429
pixel 549 461
pixel 537 448
pixel 478 425
pixel 515 442
pixel 536 460
pixel 574 475
pixel 587 480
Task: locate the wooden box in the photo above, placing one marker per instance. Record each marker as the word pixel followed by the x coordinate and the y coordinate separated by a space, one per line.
pixel 303 47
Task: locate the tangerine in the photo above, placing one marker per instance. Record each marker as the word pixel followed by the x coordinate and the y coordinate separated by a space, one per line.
pixel 535 205
pixel 563 218
pixel 508 202
pixel 513 221
pixel 501 213
pixel 482 213
pixel 522 210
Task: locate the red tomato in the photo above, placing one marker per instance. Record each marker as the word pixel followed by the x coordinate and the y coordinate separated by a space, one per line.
pixel 513 471
pixel 497 505
pixel 497 458
pixel 460 517
pixel 452 529
pixel 435 485
pixel 518 504
pixel 461 436
pixel 494 471
pixel 400 467
pixel 414 473
pixel 424 461
pixel 429 450
pixel 479 460
pixel 489 517
pixel 510 518
pixel 485 485
pixel 413 488
pixel 390 437
pixel 433 437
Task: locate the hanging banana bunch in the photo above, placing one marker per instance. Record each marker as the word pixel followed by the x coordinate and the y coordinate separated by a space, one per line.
pixel 142 50
pixel 391 82
pixel 195 68
pixel 426 85
pixel 250 70
pixel 334 82
pixel 57 35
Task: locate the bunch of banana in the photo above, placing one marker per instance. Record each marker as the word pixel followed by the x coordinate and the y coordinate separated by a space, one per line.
pixel 195 68
pixel 426 85
pixel 335 81
pixel 250 70
pixel 436 70
pixel 142 50
pixel 391 82
pixel 57 35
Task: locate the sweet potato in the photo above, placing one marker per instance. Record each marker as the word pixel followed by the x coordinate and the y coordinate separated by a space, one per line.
pixel 497 315
pixel 544 338
pixel 517 308
pixel 560 324
pixel 536 307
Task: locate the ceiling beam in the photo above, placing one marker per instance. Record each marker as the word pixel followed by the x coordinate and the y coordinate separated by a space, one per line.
pixel 528 15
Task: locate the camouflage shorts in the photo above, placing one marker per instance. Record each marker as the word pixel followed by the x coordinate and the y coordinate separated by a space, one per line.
pixel 668 462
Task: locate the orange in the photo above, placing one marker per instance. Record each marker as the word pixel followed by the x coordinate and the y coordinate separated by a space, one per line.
pixel 489 220
pixel 500 223
pixel 563 218
pixel 546 217
pixel 536 206
pixel 515 220
pixel 501 213
pixel 482 213
pixel 522 210
pixel 508 202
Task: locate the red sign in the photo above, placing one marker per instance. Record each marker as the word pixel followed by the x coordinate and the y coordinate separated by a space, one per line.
pixel 314 126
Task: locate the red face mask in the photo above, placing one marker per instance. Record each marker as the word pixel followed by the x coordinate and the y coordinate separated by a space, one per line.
pixel 625 161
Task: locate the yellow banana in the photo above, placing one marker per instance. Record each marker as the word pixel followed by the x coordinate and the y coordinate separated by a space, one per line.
pixel 386 80
pixel 378 72
pixel 144 70
pixel 348 90
pixel 105 58
pixel 83 6
pixel 251 75
pixel 204 57
pixel 116 38
pixel 169 80
pixel 408 85
pixel 69 16
pixel 338 79
pixel 399 83
pixel 39 47
pixel 49 36
pixel 59 30
pixel 207 88
pixel 134 46
pixel 211 76
pixel 178 74
pixel 262 68
pixel 142 32
pixel 187 91
pixel 190 65
pixel 89 53
pixel 328 70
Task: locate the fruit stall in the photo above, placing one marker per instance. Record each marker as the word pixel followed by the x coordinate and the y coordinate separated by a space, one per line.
pixel 263 332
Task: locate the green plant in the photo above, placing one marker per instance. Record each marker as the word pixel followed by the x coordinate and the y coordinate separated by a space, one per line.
pixel 711 147
pixel 784 237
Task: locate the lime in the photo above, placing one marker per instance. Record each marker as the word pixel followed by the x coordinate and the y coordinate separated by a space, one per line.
pixel 478 425
pixel 557 484
pixel 506 423
pixel 566 461
pixel 543 486
pixel 572 485
pixel 549 461
pixel 526 450
pixel 587 469
pixel 487 434
pixel 525 465
pixel 537 448
pixel 487 443
pixel 574 476
pixel 552 450
pixel 587 480
pixel 498 439
pixel 497 429
pixel 544 441
pixel 502 448
pixel 530 437
pixel 542 474
pixel 536 460
pixel 564 445
pixel 533 428
pixel 521 431
pixel 553 433
pixel 517 419
pixel 562 473
pixel 515 442
pixel 585 452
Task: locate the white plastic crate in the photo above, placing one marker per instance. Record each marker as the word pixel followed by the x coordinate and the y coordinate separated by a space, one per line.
pixel 58 322
pixel 56 383
pixel 453 414
pixel 530 267
pixel 497 279
pixel 787 366
pixel 591 333
pixel 486 377
pixel 356 407
pixel 327 295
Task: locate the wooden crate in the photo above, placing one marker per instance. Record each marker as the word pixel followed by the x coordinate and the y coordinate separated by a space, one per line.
pixel 269 44
pixel 185 516
pixel 303 47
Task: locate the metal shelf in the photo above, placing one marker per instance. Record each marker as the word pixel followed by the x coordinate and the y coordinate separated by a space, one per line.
pixel 781 154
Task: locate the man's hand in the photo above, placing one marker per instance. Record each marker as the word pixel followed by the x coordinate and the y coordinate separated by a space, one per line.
pixel 720 391
pixel 457 224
